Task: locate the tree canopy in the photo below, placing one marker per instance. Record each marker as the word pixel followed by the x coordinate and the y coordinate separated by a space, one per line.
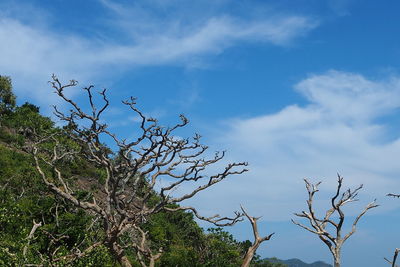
pixel 7 97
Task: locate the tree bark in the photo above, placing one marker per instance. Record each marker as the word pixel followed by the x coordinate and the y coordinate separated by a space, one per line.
pixel 319 226
pixel 124 261
pixel 336 258
pixel 119 254
pixel 132 175
pixel 30 236
pixel 257 239
pixel 249 256
pixel 152 262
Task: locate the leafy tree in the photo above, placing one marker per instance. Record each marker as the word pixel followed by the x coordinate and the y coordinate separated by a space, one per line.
pixel 24 122
pixel 222 249
pixel 25 201
pixel 27 120
pixel 7 97
pixel 273 262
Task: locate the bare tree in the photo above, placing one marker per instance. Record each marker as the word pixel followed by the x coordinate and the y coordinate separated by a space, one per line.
pixel 141 176
pixel 396 251
pixel 319 226
pixel 30 237
pixel 393 261
pixel 257 239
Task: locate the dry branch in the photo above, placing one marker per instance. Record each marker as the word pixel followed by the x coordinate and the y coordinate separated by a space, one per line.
pixel 30 237
pixel 396 251
pixel 133 171
pixel 257 239
pixel 319 226
pixel 393 261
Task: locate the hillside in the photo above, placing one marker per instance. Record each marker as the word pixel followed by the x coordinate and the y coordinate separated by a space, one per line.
pixel 299 263
pixel 37 227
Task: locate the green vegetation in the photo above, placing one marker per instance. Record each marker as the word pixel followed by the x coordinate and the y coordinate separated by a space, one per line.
pixel 7 97
pixel 63 229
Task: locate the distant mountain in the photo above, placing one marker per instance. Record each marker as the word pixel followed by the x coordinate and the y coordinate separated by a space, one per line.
pixel 299 263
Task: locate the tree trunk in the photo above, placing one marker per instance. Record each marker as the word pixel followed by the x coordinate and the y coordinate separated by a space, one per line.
pixel 249 256
pixel 119 253
pixel 124 261
pixel 152 262
pixel 336 258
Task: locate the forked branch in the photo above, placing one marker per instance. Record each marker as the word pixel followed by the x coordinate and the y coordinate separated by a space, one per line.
pixel 319 226
pixel 393 261
pixel 30 237
pixel 257 239
pixel 154 163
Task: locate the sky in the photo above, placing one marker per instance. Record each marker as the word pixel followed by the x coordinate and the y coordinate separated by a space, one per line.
pixel 299 89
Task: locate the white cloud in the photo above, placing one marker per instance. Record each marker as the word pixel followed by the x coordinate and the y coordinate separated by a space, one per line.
pixel 30 55
pixel 30 52
pixel 337 131
pixel 351 96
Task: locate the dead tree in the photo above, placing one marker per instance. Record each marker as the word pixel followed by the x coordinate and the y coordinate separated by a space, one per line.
pixel 319 226
pixel 141 176
pixel 257 239
pixel 393 261
pixel 396 251
pixel 30 237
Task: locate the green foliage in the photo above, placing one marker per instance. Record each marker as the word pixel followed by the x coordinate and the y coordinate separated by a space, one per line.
pixel 17 172
pixel 8 137
pixel 98 257
pixel 222 249
pixel 273 262
pixel 26 120
pixel 186 244
pixel 26 199
pixel 179 235
pixel 7 97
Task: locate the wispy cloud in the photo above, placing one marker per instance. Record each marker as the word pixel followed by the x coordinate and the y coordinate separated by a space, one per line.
pixel 339 130
pixel 31 52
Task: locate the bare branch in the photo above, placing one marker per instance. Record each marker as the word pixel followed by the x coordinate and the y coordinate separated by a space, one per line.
pixel 78 254
pixel 393 261
pixel 334 240
pixel 396 252
pixel 257 239
pixel 132 171
pixel 353 229
pixel 30 236
pixel 216 219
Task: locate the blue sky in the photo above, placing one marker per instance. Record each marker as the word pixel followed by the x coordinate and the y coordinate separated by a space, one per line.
pixel 304 88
